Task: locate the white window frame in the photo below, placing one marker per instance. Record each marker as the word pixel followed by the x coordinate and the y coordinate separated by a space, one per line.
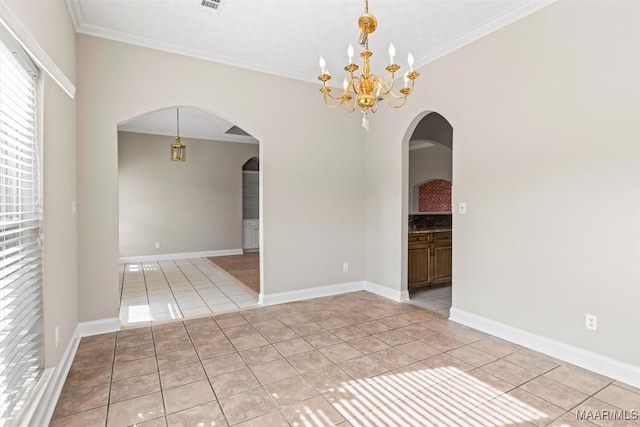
pixel 21 293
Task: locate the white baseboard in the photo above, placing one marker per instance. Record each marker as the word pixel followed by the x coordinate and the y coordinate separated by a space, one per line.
pixel 32 414
pixel 47 403
pixel 329 290
pixel 383 291
pixel 303 294
pixel 607 366
pixel 96 327
pixel 183 255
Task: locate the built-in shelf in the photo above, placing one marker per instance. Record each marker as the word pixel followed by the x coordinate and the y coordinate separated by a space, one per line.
pixel 250 194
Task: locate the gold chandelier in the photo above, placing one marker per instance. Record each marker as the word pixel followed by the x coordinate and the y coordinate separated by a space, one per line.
pixel 178 149
pixel 366 90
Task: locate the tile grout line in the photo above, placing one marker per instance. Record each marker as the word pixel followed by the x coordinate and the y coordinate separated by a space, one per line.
pixel 221 270
pixel 214 284
pixel 215 395
pixel 155 352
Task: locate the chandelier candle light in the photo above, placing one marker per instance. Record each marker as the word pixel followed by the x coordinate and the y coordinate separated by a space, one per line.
pixel 178 149
pixel 366 90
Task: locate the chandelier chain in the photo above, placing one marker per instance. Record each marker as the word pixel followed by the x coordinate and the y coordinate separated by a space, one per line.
pixel 363 40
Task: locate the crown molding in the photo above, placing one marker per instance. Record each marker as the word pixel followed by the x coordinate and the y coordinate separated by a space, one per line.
pixel 501 21
pixel 512 15
pixel 147 42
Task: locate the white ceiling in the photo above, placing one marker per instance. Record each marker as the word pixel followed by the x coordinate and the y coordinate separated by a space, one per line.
pixel 194 123
pixel 286 37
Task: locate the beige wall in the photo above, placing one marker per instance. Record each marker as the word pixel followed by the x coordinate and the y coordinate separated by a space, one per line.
pixel 426 164
pixel 546 155
pixel 310 156
pixel 50 25
pixel 193 206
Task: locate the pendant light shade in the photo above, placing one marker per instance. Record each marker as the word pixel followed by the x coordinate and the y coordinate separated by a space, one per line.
pixel 178 149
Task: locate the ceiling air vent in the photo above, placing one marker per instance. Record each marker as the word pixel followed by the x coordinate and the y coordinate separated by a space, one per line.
pixel 211 5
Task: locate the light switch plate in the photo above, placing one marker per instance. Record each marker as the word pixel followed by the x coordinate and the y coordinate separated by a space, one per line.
pixel 462 208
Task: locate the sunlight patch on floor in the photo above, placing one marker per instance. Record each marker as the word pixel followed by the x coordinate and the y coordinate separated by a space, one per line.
pixel 142 313
pixel 440 396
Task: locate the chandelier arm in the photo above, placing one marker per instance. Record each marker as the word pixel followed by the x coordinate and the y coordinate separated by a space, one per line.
pixel 335 98
pixel 395 96
pixel 355 83
pixel 326 91
pixel 402 95
pixel 351 107
pixel 334 106
pixel 403 98
pixel 330 97
pixel 386 87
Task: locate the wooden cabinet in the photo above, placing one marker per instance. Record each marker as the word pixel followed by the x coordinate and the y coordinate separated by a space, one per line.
pixel 419 256
pixel 430 258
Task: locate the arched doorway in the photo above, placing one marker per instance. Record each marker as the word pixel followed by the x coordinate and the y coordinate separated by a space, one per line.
pixel 175 217
pixel 429 241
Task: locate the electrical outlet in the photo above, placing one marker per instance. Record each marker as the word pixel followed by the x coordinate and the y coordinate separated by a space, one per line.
pixel 591 322
pixel 345 267
pixel 157 245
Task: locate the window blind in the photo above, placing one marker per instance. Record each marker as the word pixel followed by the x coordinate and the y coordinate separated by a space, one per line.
pixel 21 321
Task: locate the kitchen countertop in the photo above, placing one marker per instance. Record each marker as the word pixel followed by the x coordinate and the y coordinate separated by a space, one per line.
pixel 429 230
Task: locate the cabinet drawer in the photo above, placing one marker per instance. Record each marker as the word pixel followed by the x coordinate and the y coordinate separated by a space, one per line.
pixel 419 238
pixel 444 236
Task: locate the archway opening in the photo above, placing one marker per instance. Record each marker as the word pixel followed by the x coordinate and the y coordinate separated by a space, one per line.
pixel 429 237
pixel 177 217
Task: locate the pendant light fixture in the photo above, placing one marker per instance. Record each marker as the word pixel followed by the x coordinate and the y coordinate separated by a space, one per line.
pixel 178 149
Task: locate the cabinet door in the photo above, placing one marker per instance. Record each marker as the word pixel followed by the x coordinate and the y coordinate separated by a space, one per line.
pixel 247 238
pixel 441 263
pixel 418 267
pixel 256 237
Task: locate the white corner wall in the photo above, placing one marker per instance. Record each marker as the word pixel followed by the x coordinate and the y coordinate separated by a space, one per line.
pixel 547 157
pixel 49 25
pixel 192 206
pixel 310 156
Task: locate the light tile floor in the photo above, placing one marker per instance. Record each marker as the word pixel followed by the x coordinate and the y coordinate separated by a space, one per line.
pixel 436 299
pixel 351 360
pixel 175 289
